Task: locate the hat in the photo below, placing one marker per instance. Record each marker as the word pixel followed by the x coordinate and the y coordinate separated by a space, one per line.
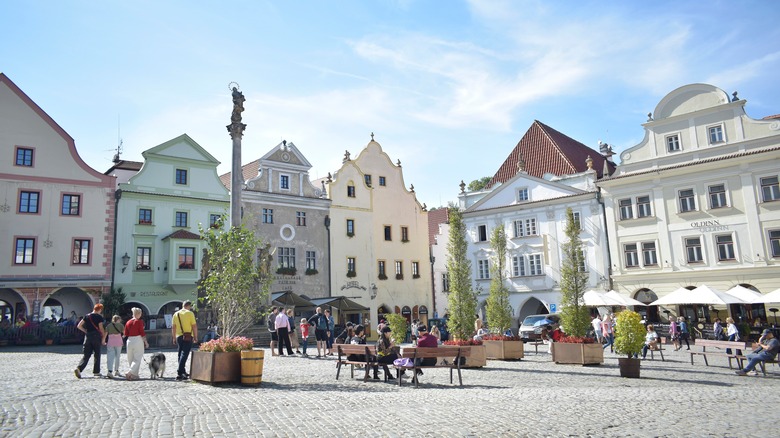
pixel 767 332
pixel 422 328
pixel 386 329
pixel 349 324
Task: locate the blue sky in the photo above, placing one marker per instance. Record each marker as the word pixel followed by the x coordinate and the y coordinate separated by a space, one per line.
pixel 448 87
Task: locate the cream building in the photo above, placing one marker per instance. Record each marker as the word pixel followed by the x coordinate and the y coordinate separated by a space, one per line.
pixel 696 202
pixel 379 238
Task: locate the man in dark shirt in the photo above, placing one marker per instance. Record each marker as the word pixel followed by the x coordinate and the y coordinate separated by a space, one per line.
pixel 92 326
pixel 768 346
pixel 425 339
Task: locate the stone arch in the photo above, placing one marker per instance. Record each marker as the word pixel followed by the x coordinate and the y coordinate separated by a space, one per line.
pixel 169 308
pixel 649 313
pixel 12 304
pixel 126 313
pixel 531 306
pixel 73 301
pixel 383 310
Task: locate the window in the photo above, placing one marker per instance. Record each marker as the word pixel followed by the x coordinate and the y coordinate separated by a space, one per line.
pixel 351 266
pixel 29 201
pixel 214 220
pixel 368 180
pixel 80 252
pixel 351 191
pixel 717 196
pixel 181 219
pixel 518 266
pixel 770 189
pixel 535 264
pixel 181 176
pixel 268 215
pixel 693 250
pixel 445 282
pixel 404 234
pixel 725 244
pixel 143 259
pixel 381 269
pixel 582 266
pixel 630 254
pixel 300 218
pixel 25 251
pixel 284 182
pixel 286 257
pixel 187 257
pixel 311 260
pixel 70 205
pixel 144 216
pixel 522 194
pixel 399 269
pixel 518 228
pixel 482 233
pixel 530 227
pixel 715 134
pixel 649 254
pixel 626 209
pixel 24 157
pixel 525 227
pixel 673 143
pixel 415 269
pixel 388 233
pixel 576 217
pixel 687 201
pixel 483 269
pixel 643 208
pixel 774 242
pixel 350 227
pixel 382 181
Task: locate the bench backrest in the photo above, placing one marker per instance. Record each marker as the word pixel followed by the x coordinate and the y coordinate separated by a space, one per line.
pixel 425 352
pixel 722 344
pixel 347 349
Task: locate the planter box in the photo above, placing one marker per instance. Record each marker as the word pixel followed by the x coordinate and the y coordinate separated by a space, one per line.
pixel 503 350
pixel 580 354
pixel 215 367
pixel 477 357
pixel 629 367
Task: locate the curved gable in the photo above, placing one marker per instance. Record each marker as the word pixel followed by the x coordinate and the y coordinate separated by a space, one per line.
pixel 689 98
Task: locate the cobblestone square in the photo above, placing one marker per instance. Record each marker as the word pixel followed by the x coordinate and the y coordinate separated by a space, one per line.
pixel 300 397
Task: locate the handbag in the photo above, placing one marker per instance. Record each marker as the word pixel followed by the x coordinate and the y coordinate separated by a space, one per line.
pixel 403 362
pixel 186 336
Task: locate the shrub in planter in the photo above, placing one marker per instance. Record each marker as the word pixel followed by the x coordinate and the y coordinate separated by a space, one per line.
pixel 629 339
pixel 351 274
pixel 311 271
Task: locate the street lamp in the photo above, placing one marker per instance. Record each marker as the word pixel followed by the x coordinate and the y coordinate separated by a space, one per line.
pixel 774 311
pixel 125 261
pixel 373 290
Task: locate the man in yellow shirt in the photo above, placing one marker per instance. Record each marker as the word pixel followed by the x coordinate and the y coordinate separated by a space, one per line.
pixel 184 332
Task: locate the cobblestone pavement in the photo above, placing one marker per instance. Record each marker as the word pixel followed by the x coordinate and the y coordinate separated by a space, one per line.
pixel 300 397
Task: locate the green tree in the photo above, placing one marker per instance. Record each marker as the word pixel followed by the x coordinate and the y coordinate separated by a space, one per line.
pixel 112 302
pixel 479 184
pixel 629 333
pixel 398 326
pixel 499 312
pixel 233 283
pixel 462 297
pixel 575 317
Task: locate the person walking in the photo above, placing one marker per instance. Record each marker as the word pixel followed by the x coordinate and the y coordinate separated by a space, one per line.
pixel 596 323
pixel 331 328
pixel 674 333
pixel 136 342
pixel 717 330
pixel 608 333
pixel 270 323
pixel 293 334
pixel 184 332
pixel 305 336
pixel 282 325
pixel 114 332
pixel 94 334
pixel 733 334
pixel 684 333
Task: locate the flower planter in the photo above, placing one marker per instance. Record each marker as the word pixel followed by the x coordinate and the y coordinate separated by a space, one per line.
pixel 580 354
pixel 213 368
pixel 477 357
pixel 503 350
pixel 252 367
pixel 629 367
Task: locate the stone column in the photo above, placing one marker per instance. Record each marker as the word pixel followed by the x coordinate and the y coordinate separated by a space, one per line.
pixel 236 130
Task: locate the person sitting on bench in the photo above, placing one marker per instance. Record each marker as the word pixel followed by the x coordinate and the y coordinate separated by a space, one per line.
pixel 385 354
pixel 651 341
pixel 427 340
pixel 768 346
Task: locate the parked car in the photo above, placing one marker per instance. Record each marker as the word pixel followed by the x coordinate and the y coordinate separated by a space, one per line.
pixel 529 332
pixel 441 323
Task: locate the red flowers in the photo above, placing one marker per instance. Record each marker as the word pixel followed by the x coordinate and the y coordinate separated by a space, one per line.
pixel 577 340
pixel 495 337
pixel 463 343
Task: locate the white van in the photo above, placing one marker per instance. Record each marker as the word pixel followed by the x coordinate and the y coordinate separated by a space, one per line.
pixel 528 332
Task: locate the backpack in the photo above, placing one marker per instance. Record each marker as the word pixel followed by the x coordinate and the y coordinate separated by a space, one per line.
pixel 271 322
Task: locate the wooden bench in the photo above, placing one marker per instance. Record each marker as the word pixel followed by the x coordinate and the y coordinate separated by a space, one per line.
pixel 762 364
pixel 345 350
pixel 659 348
pixel 536 345
pixel 720 345
pixel 447 352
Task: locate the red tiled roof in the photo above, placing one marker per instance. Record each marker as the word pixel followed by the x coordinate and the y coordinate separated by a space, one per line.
pixel 248 170
pixel 436 217
pixel 182 234
pixel 776 116
pixel 545 150
pixel 125 165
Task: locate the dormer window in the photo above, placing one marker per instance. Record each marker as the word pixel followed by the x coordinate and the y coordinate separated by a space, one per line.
pixel 715 134
pixel 673 143
pixel 522 194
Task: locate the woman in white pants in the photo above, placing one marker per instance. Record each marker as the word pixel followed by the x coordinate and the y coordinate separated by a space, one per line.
pixel 136 342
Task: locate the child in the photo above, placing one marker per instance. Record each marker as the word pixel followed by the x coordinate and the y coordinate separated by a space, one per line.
pixel 114 332
pixel 305 335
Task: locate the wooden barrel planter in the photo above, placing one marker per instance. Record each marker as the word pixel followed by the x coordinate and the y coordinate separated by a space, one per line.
pixel 629 367
pixel 252 367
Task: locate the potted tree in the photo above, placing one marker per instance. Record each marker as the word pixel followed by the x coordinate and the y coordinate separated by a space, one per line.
pixel 235 286
pixel 498 345
pixel 629 339
pixel 575 318
pixel 49 332
pixel 462 298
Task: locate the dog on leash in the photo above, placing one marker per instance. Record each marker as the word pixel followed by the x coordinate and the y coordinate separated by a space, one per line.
pixel 157 365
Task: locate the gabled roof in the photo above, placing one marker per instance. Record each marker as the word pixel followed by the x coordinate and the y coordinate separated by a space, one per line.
pixel 248 171
pixel 125 165
pixel 182 234
pixel 435 218
pixel 545 150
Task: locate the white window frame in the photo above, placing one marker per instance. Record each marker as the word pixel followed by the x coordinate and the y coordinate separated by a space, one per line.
pixel 480 236
pixel 774 243
pixel 631 255
pixel 285 257
pixel 697 249
pixel 522 194
pixel 518 266
pixel 530 227
pixel 626 209
pixel 725 248
pixel 583 267
pixel 722 197
pixel 673 143
pixel 686 204
pixel 483 269
pixel 577 219
pixel 311 260
pixel 720 130
pixel 649 254
pixel 644 209
pixel 284 177
pixel 770 190
pixel 535 264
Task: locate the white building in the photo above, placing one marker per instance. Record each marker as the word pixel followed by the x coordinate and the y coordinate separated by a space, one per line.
pixel 697 201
